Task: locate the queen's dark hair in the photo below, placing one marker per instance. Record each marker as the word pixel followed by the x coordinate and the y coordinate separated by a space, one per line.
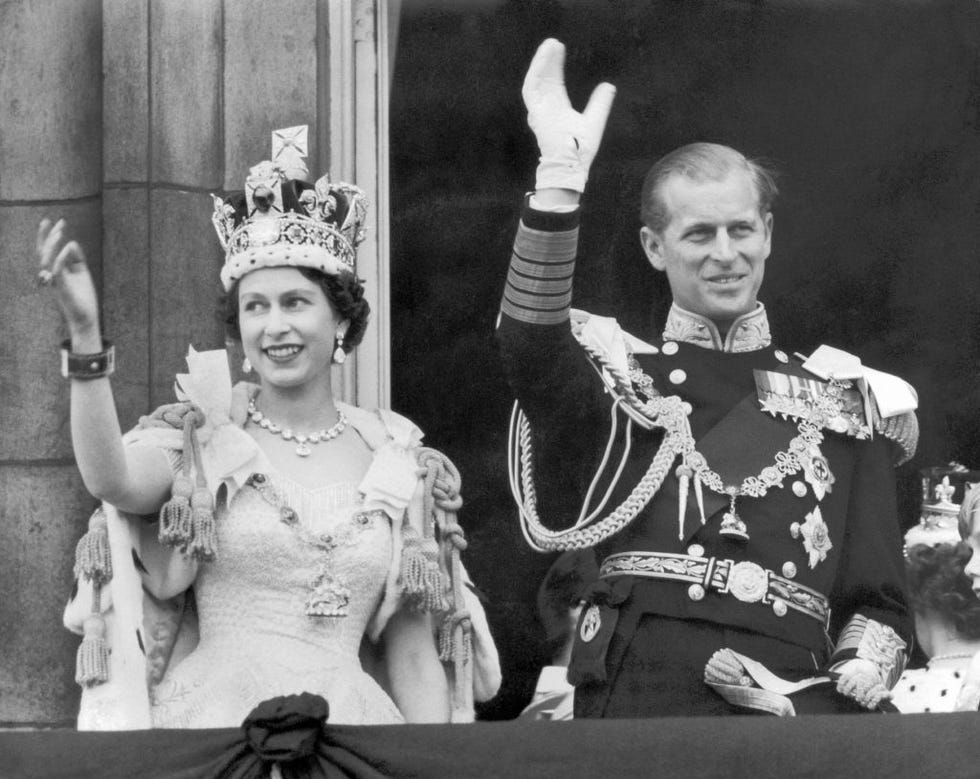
pixel 344 291
pixel 937 583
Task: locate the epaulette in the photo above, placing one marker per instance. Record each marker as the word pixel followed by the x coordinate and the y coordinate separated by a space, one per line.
pixel 609 347
pixel 890 399
pixel 903 431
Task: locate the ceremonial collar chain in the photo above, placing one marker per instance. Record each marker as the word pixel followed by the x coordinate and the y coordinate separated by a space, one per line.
pixel 330 592
pixel 802 452
pixel 748 333
pixel 303 441
pixel 670 413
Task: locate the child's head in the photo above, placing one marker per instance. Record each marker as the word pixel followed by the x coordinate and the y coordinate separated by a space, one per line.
pixel 559 596
pixel 969 524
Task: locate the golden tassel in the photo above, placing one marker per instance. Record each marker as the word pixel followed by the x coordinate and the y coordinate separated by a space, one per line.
pixel 92 659
pixel 452 648
pixel 423 583
pixel 204 540
pixel 412 568
pixel 176 515
pixel 176 523
pixel 434 582
pixel 446 642
pixel 93 561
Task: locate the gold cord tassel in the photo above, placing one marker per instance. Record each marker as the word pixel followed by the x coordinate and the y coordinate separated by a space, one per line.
pixel 92 558
pixel 204 541
pixel 423 583
pixel 434 582
pixel 442 503
pixel 187 519
pixel 412 569
pixel 454 637
pixel 176 524
pixel 93 562
pixel 92 659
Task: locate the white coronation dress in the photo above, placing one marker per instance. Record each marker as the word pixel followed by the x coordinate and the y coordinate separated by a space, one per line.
pixel 251 638
pixel 256 639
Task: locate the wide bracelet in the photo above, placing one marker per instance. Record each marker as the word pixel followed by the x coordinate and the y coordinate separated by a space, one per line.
pixel 88 366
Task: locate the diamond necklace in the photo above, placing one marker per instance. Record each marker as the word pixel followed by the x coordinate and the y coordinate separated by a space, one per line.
pixel 303 441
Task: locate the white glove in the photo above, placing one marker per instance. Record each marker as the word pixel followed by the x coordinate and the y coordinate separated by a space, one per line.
pixel 568 140
pixel 861 680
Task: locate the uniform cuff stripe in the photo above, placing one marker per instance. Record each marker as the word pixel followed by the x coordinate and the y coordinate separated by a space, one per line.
pixel 535 269
pixel 546 247
pixel 534 316
pixel 534 300
pixel 544 286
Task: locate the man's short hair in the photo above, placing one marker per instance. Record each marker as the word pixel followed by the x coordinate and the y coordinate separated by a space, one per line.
pixel 701 162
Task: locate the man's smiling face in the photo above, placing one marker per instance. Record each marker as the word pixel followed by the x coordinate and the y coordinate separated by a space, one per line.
pixel 715 246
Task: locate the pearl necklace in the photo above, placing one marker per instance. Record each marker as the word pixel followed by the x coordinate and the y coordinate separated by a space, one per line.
pixel 303 441
pixel 954 656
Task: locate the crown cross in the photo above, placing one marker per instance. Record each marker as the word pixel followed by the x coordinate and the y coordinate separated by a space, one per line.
pixel 281 219
pixel 944 491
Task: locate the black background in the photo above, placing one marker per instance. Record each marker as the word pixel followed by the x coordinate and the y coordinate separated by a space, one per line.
pixel 868 109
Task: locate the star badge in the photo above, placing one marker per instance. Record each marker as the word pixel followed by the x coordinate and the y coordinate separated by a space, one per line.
pixel 816 536
pixel 816 471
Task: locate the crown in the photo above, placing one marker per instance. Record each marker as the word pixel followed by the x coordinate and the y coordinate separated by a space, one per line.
pixel 280 219
pixel 939 522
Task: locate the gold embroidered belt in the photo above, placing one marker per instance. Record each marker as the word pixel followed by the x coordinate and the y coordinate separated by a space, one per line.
pixel 746 581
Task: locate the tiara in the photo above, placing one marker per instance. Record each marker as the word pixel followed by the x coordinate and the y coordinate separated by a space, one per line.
pixel 280 219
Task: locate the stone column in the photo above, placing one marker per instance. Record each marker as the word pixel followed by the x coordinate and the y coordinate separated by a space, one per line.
pixel 51 147
pixel 193 91
pixel 123 116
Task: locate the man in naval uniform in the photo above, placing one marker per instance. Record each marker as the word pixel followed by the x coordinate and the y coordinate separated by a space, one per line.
pixel 741 500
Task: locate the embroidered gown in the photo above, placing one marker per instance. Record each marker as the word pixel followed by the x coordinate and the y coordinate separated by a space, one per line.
pixel 256 639
pixel 339 548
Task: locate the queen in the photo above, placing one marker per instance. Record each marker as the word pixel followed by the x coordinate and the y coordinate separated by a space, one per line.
pixel 264 539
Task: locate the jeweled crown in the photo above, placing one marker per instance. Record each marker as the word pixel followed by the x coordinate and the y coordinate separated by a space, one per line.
pixel 939 519
pixel 280 219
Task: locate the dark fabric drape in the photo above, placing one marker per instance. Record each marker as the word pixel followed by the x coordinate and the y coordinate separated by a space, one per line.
pixel 911 745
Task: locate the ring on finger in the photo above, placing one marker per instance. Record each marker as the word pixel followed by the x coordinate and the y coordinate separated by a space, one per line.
pixel 45 277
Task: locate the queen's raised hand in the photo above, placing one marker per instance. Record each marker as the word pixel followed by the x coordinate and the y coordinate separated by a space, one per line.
pixel 63 267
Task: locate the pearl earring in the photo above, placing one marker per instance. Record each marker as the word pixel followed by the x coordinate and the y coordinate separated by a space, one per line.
pixel 339 355
pixel 246 365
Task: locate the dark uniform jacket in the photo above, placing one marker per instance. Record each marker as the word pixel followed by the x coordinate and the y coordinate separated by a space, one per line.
pixel 824 548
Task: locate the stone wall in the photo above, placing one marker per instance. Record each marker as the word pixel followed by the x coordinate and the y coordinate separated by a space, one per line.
pixel 122 116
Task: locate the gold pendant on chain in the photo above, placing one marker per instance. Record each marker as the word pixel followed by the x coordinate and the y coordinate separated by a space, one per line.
pixel 732 525
pixel 329 596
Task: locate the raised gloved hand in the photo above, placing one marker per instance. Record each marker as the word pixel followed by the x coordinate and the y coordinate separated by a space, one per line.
pixel 861 680
pixel 568 140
